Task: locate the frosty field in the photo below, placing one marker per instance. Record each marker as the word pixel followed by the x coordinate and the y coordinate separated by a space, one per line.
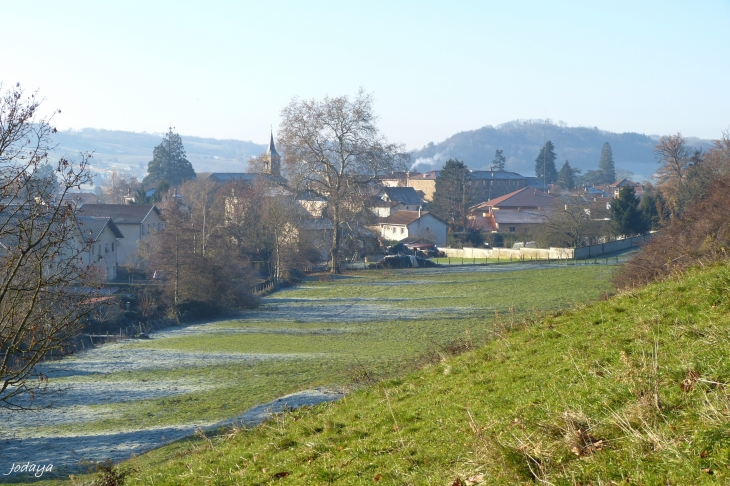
pixel 308 344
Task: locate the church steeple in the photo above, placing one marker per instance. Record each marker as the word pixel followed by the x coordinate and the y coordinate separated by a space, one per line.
pixel 272 160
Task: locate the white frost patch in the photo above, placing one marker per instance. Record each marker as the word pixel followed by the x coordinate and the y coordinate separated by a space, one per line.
pixel 65 452
pixel 121 356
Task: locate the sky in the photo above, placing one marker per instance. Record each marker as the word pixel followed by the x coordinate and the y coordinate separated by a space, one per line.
pixel 225 69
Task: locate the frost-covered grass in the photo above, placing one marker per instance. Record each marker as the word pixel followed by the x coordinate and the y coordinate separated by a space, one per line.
pixel 630 390
pixel 327 332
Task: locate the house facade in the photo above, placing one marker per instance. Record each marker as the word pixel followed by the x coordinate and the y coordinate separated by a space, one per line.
pixel 134 221
pixel 414 225
pixel 101 239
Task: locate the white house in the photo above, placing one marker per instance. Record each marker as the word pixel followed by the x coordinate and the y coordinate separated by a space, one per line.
pixel 101 238
pixel 414 225
pixel 135 221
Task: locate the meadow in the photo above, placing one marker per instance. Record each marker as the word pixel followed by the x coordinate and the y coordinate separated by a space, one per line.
pixel 339 333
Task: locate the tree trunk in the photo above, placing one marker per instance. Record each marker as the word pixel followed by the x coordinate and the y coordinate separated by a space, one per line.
pixel 334 254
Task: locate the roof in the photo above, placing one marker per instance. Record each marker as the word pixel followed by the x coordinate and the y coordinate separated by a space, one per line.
pixel 430 175
pixel 77 196
pixel 233 176
pixel 91 228
pixel 404 195
pixel 527 197
pixel 496 175
pixel 625 182
pixel 120 213
pixel 271 150
pixel 518 217
pixel 398 175
pixel 404 217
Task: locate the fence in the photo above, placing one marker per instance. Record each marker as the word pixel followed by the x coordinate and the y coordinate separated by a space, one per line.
pixel 523 254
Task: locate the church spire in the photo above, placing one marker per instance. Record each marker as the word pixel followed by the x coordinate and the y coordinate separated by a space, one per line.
pixel 272 160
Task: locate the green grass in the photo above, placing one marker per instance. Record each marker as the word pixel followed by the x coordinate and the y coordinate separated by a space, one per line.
pixel 631 390
pixel 458 306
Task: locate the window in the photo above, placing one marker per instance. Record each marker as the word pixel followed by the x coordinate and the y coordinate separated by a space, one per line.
pixel 512 229
pixel 402 230
pixel 106 247
pixel 112 247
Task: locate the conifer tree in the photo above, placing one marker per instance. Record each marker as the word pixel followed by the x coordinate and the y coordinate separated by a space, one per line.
pixel 566 177
pixel 545 164
pixel 169 163
pixel 606 166
pixel 499 160
pixel 626 217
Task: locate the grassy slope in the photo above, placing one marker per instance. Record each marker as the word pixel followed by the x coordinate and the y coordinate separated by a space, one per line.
pixel 622 390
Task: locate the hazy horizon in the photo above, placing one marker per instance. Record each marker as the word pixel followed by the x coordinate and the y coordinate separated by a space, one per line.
pixel 225 69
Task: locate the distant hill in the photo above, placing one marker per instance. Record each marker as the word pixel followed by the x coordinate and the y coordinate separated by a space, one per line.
pixel 131 151
pixel 522 140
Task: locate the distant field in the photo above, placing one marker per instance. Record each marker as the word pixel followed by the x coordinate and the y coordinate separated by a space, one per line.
pixel 327 332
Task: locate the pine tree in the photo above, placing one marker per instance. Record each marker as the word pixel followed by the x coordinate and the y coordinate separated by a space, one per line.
pixel 452 197
pixel 566 177
pixel 626 217
pixel 606 166
pixel 169 163
pixel 499 160
pixel 545 164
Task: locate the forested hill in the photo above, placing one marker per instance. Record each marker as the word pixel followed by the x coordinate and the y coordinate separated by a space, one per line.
pixel 522 141
pixel 130 149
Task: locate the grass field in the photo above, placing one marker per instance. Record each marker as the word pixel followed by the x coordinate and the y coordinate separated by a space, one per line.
pixel 340 331
pixel 632 390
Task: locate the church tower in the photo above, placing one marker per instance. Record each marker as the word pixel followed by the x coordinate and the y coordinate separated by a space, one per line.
pixel 271 160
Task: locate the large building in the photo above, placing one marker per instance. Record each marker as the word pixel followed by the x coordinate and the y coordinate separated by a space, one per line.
pixel 485 184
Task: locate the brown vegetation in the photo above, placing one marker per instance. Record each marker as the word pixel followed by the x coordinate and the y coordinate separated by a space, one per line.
pixel 700 236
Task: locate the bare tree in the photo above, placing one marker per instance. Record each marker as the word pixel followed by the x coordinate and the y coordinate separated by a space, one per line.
pixel 334 149
pixel 674 159
pixel 46 272
pixel 572 226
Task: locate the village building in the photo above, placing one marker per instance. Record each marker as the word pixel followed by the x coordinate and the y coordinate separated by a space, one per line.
pixel 135 221
pixel 101 237
pixel 513 212
pixel 394 199
pixel 413 225
pixel 615 188
pixel 269 170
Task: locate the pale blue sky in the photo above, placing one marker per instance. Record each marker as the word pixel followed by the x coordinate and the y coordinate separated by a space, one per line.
pixel 225 69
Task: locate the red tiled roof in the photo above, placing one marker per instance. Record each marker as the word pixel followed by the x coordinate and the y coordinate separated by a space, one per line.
pixel 527 197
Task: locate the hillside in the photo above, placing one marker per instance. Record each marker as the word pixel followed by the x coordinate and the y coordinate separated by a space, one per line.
pixel 132 151
pixel 628 390
pixel 522 141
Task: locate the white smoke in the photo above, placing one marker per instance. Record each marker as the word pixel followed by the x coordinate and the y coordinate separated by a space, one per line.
pixel 428 163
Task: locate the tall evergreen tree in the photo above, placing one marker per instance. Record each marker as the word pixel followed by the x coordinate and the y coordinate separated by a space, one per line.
pixel 169 163
pixel 545 164
pixel 606 166
pixel 566 177
pixel 452 197
pixel 626 217
pixel 499 160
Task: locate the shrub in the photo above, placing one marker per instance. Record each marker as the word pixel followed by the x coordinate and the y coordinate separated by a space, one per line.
pixel 700 236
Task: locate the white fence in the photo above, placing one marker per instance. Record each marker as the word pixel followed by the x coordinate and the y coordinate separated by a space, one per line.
pixel 547 253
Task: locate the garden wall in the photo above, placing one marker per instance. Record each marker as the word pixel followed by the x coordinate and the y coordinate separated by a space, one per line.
pixel 551 253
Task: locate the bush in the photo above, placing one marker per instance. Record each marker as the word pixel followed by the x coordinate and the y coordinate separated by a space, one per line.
pixel 701 235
